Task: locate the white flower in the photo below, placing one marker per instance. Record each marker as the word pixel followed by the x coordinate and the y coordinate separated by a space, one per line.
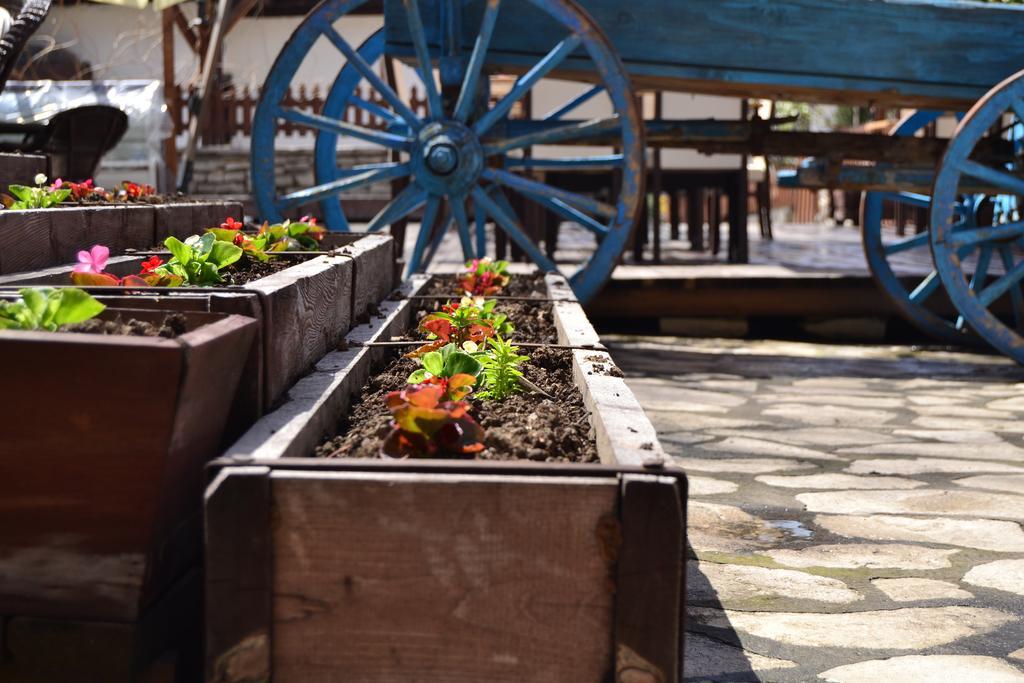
pixel 40 178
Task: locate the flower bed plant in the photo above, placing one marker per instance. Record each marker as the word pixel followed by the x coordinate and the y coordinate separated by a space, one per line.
pixel 41 230
pixel 305 301
pixel 452 538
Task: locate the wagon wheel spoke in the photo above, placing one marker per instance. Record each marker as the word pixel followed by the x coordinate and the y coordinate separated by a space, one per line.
pixel 577 130
pixel 926 288
pixel 318 122
pixel 1002 285
pixel 426 64
pixel 502 214
pixel 480 220
pixel 533 187
pixel 467 96
pixel 978 278
pixel 567 212
pixel 336 187
pixel 385 90
pixel 462 223
pixel 573 104
pixel 429 216
pixel 526 82
pixel 435 243
pixel 918 240
pixel 604 161
pixel 1001 179
pixel 986 234
pixel 407 201
pixel 1016 297
pixel 373 108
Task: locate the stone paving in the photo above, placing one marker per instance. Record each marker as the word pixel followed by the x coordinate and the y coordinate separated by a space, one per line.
pixel 855 512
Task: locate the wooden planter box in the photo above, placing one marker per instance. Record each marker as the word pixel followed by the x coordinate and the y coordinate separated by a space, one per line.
pixel 104 443
pixel 44 238
pixel 21 169
pixel 304 311
pixel 393 570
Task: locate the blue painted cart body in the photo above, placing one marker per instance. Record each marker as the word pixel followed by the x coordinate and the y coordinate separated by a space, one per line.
pixel 933 53
pixel 460 158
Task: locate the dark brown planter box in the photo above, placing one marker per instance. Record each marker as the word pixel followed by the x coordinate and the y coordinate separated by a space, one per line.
pixel 381 570
pixel 21 169
pixel 44 238
pixel 104 443
pixel 304 311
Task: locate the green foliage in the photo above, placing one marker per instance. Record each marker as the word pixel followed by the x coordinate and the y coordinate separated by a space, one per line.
pixel 199 260
pixel 453 370
pixel 39 197
pixel 48 309
pixel 501 371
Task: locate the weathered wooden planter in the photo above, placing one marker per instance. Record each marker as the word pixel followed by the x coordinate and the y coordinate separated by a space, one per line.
pixel 373 570
pixel 21 169
pixel 44 238
pixel 104 443
pixel 304 311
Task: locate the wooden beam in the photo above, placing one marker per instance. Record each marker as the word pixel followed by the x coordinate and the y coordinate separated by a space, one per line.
pixel 171 98
pixel 181 21
pixel 239 12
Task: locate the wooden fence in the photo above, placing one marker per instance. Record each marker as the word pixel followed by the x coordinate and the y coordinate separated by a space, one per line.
pixel 231 113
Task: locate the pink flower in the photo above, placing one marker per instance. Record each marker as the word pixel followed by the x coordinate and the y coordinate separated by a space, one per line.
pixel 57 183
pixel 92 261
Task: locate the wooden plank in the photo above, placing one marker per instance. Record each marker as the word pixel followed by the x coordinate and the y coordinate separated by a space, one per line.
pixel 622 431
pixel 307 312
pixel 24 241
pixel 88 542
pixel 162 646
pixel 214 357
pixel 912 52
pixel 421 577
pixel 316 401
pixel 21 169
pixel 650 591
pixel 375 275
pixel 118 227
pixel 239 576
pixel 182 219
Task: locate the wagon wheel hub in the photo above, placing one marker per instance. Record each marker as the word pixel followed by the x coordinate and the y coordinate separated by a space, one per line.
pixel 447 158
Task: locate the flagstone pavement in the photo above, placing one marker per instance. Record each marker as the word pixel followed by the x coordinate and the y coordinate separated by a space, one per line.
pixel 855 513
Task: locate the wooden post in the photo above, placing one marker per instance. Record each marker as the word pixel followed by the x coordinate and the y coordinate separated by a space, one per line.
pixel 171 99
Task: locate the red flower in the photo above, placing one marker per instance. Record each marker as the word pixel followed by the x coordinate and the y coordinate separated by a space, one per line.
pixel 232 224
pixel 151 264
pixel 239 238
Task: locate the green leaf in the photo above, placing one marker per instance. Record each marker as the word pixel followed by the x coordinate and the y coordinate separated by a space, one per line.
pixel 460 363
pixel 181 251
pixel 433 363
pixel 74 306
pixel 21 192
pixel 418 376
pixel 223 234
pixel 36 301
pixel 223 254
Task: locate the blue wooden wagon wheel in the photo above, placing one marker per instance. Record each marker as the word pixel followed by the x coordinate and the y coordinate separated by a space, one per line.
pixel 989 299
pixel 463 155
pixel 915 302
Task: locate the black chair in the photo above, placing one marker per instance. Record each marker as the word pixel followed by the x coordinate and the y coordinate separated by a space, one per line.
pixel 76 139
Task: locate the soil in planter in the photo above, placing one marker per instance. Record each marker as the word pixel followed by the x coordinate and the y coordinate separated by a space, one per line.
pixel 520 285
pixel 526 426
pixel 249 269
pixel 173 325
